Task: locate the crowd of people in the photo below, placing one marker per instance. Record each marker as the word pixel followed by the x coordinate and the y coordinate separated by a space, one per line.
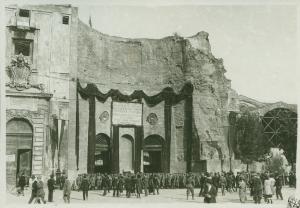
pixel 261 185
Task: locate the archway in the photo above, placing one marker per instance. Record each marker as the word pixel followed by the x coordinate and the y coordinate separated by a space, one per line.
pixel 126 153
pixel 280 129
pixel 153 154
pixel 102 154
pixel 19 136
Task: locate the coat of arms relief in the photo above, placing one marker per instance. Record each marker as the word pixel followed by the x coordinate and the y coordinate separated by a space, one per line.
pixel 19 72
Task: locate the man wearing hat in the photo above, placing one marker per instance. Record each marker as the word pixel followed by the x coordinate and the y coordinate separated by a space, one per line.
pixel 210 192
pixel 50 184
pixel 85 187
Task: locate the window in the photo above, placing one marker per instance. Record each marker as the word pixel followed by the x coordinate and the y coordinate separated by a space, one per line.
pixel 24 13
pixel 65 20
pixel 23 46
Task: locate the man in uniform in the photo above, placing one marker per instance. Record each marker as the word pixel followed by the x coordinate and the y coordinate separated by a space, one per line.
pixel 190 186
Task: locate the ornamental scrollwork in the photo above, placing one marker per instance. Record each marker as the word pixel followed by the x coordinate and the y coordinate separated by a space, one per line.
pixel 19 72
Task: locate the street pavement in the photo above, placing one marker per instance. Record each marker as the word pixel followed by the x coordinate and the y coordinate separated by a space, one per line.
pixel 165 196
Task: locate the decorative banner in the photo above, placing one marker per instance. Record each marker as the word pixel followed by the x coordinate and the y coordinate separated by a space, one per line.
pixel 127 113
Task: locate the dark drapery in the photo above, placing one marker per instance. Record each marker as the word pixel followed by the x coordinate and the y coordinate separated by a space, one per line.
pixel 77 133
pixel 139 137
pixel 91 136
pixel 91 92
pixel 115 149
pixel 168 129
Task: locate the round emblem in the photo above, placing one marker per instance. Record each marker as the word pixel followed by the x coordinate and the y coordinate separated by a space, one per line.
pixel 104 116
pixel 152 118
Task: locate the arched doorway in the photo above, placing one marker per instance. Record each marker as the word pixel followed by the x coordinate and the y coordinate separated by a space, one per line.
pixel 153 154
pixel 280 129
pixel 126 153
pixel 18 149
pixel 102 154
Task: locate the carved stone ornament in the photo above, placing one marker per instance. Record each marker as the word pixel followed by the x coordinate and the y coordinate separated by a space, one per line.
pixel 17 113
pixel 19 73
pixel 152 119
pixel 104 116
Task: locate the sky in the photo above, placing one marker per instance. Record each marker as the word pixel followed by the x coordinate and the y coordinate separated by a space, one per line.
pixel 258 43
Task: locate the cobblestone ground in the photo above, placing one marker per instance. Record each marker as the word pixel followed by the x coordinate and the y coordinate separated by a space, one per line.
pixel 165 196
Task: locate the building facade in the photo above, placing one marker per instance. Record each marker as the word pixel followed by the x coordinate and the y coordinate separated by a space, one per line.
pixel 81 101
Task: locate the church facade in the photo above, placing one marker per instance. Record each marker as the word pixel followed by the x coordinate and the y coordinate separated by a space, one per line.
pixel 79 101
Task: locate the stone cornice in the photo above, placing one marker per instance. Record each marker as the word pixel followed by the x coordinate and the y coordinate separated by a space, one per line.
pixel 46 96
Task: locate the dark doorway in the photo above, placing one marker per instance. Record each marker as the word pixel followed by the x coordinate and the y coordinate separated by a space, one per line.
pixel 153 155
pixel 152 162
pixel 18 150
pixel 24 163
pixel 102 154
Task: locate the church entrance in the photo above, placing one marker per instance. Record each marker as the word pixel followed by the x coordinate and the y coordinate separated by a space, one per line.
pixel 102 154
pixel 18 150
pixel 153 155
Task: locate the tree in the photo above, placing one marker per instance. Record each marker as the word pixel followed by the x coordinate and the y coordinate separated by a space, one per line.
pixel 250 138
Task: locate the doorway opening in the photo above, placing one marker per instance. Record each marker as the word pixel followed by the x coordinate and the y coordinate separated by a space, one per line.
pixel 153 154
pixel 102 154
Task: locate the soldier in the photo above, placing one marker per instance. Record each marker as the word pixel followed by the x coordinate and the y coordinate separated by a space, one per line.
pixel 202 184
pixel 215 181
pixel 120 185
pixel 156 184
pixel 138 186
pixel 223 184
pixel 128 185
pixel 50 184
pixel 115 182
pixel 190 186
pixel 105 184
pixel 145 181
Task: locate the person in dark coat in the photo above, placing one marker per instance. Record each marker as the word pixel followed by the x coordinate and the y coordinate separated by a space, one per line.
pixel 40 190
pixel 128 186
pixel 34 189
pixel 105 184
pixel 210 192
pixel 85 187
pixel 120 185
pixel 22 183
pixel 278 187
pixel 202 184
pixel 257 189
pixel 145 181
pixel 50 184
pixel 115 181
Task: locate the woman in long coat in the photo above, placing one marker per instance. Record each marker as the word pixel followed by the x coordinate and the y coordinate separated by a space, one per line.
pixel 242 190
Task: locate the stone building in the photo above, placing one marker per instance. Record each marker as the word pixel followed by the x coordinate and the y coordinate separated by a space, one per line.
pixel 81 101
